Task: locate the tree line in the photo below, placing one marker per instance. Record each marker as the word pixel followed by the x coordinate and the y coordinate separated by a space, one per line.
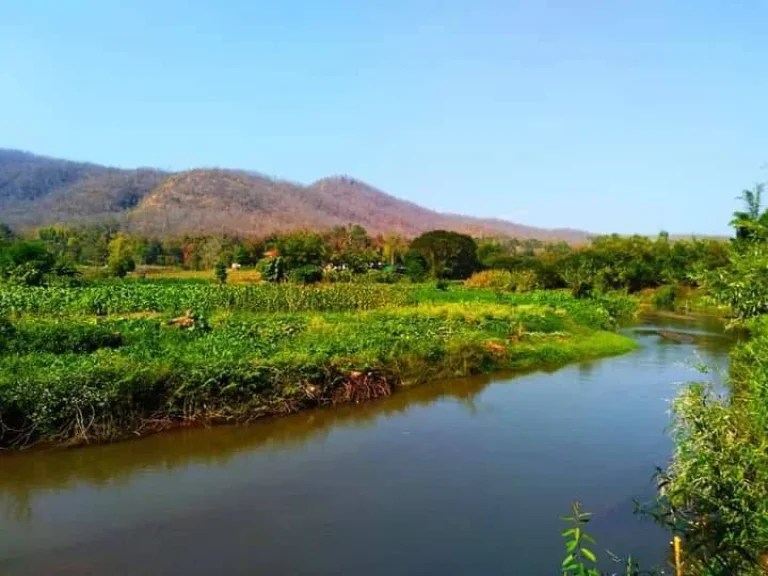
pixel 612 262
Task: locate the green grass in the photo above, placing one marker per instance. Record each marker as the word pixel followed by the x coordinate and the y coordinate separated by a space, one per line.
pixel 70 375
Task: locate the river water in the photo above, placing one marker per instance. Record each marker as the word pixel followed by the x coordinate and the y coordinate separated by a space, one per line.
pixel 462 477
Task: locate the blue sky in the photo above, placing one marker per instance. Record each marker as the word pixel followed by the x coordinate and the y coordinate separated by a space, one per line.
pixel 605 116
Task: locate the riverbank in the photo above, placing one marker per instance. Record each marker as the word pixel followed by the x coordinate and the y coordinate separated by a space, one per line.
pixel 492 446
pixel 103 367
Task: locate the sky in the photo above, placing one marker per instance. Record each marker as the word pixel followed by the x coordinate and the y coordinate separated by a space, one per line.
pixel 620 116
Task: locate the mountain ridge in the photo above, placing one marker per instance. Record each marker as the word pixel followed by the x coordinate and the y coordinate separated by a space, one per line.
pixel 41 190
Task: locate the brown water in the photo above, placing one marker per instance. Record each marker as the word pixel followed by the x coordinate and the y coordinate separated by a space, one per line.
pixel 460 477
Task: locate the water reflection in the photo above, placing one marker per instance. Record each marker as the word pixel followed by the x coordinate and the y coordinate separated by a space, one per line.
pixel 26 473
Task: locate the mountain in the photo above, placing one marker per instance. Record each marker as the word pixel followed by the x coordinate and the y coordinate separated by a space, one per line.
pixel 36 190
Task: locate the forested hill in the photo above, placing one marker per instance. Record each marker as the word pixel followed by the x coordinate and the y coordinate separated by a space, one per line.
pixel 36 190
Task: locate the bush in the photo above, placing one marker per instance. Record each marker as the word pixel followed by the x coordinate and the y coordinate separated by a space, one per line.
pixel 308 274
pixel 7 333
pixel 499 279
pixel 61 338
pixel 415 265
pixel 664 299
pixel 524 281
pixel 381 276
pixel 221 271
pixel 338 276
pixel 517 281
pixel 120 266
pixel 271 269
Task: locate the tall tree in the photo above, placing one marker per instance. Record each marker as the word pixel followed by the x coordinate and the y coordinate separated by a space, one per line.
pixel 749 221
pixel 449 254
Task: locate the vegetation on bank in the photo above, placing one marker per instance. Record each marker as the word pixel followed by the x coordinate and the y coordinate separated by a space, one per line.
pixel 714 494
pixel 349 253
pixel 77 366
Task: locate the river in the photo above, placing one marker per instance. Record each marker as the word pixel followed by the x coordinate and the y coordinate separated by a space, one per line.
pixel 462 477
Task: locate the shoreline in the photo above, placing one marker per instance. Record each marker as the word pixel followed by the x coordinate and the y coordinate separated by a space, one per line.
pixel 356 387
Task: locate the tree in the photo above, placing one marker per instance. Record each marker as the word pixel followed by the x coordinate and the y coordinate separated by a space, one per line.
pixel 120 260
pixel 393 248
pixel 272 269
pixel 301 249
pixel 449 254
pixel 578 271
pixel 25 262
pixel 153 253
pixel 750 221
pixel 221 271
pixel 416 266
pixel 241 256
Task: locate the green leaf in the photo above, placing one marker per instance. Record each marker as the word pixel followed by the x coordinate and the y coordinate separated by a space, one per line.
pixel 568 560
pixel 571 546
pixel 588 554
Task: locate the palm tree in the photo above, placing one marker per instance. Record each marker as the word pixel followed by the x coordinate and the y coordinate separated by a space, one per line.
pixel 751 219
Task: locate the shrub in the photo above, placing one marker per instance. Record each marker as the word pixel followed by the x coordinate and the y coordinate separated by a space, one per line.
pixel 7 333
pixel 308 274
pixel 524 281
pixel 499 279
pixel 272 269
pixel 664 299
pixel 517 281
pixel 120 265
pixel 338 276
pixel 221 271
pixel 415 265
pixel 61 338
pixel 381 277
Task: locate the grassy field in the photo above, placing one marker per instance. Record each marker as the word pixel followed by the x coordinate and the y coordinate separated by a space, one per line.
pixel 107 360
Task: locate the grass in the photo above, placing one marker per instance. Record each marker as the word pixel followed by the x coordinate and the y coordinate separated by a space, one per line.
pixel 73 372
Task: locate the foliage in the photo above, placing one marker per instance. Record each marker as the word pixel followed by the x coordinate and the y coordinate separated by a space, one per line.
pixel 221 271
pixel 97 362
pixel 449 255
pixel 272 269
pixel 627 263
pixel 6 233
pixel 664 299
pixel 29 263
pixel 415 265
pixel 579 559
pixel 751 223
pixel 498 279
pixel 7 332
pixel 743 285
pixel 120 260
pixel 301 249
pixel 307 274
pixel 715 492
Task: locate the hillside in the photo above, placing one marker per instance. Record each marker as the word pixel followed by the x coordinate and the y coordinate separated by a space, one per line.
pixel 36 190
